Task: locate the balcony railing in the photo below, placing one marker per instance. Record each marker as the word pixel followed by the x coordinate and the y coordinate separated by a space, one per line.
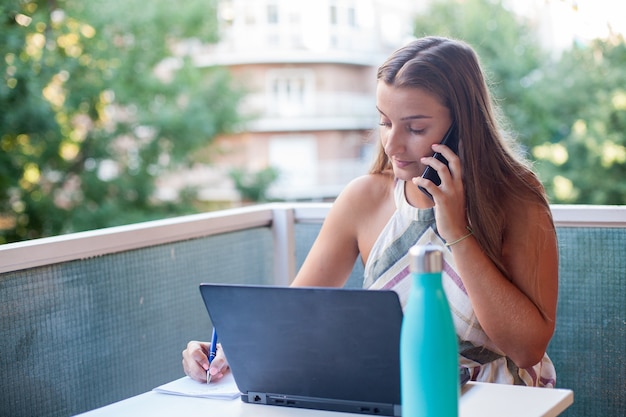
pixel 281 218
pixel 91 318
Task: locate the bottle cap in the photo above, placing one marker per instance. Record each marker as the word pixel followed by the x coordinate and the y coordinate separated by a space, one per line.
pixel 425 259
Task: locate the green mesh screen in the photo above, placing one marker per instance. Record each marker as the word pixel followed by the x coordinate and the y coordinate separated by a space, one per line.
pixel 78 335
pixel 82 334
pixel 305 236
pixel 589 344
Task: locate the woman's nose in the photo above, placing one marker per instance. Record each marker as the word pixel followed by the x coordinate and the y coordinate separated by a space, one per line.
pixel 392 141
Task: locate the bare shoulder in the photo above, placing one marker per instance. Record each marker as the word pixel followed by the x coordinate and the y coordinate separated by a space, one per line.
pixel 355 219
pixel 378 185
pixel 528 210
pixel 529 234
pixel 367 194
pixel 522 217
pixel 364 207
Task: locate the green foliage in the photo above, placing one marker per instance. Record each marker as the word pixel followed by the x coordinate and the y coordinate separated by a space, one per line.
pixel 568 112
pixel 253 186
pixel 506 45
pixel 585 159
pixel 86 122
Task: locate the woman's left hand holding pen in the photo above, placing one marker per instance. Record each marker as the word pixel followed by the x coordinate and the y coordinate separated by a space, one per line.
pixel 196 361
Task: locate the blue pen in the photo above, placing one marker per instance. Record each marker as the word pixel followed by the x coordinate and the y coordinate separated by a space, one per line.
pixel 212 354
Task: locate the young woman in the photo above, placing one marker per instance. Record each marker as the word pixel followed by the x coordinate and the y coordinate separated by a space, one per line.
pixel 490 214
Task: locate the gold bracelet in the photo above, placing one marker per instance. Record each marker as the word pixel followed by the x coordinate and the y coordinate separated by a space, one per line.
pixel 471 232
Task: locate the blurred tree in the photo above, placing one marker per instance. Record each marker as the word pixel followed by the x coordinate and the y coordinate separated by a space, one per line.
pixel 585 156
pixel 253 186
pixel 569 112
pixel 508 49
pixel 96 100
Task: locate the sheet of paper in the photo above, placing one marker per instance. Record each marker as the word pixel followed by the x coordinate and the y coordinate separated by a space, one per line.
pixel 224 389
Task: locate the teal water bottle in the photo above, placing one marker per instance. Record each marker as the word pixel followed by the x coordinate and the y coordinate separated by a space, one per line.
pixel 429 363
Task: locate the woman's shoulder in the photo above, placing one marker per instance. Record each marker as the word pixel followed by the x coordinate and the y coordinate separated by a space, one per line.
pixel 365 197
pixel 363 208
pixel 369 189
pixel 533 209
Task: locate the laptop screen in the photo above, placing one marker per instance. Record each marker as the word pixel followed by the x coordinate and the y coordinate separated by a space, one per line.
pixel 325 348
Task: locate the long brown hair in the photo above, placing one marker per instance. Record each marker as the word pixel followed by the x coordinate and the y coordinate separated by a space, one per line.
pixel 495 176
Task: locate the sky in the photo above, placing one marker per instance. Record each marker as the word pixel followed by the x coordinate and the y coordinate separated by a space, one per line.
pixel 581 20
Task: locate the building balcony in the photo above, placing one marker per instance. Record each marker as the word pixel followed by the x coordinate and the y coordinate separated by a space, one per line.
pixel 320 111
pixel 94 317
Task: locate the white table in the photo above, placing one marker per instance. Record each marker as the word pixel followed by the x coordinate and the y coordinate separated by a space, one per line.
pixel 477 400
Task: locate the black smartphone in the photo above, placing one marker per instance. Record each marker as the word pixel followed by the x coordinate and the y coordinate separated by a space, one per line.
pixel 451 140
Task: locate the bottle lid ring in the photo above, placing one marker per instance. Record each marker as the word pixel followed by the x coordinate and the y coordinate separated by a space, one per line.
pixel 425 259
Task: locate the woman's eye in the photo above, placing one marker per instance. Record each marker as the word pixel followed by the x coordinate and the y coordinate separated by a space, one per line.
pixel 384 124
pixel 417 131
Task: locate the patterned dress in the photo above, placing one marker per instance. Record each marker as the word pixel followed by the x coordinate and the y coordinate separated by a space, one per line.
pixel 387 268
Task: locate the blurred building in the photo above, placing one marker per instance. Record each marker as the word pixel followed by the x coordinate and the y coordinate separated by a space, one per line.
pixel 310 70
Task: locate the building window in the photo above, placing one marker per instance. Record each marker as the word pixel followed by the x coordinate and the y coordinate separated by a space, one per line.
pixel 333 15
pixel 272 14
pixel 351 17
pixel 295 157
pixel 250 18
pixel 290 91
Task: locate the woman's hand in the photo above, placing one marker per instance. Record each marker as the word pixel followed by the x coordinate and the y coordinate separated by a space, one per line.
pixel 449 196
pixel 196 361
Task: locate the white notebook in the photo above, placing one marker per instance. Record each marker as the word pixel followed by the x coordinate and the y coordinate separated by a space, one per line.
pixel 223 389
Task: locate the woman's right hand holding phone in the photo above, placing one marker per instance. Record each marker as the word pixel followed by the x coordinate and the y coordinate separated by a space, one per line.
pixel 449 196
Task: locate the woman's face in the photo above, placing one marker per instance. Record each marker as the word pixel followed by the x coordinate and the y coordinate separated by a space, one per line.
pixel 411 121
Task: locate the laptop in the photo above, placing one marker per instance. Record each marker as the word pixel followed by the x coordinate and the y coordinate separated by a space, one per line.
pixel 319 348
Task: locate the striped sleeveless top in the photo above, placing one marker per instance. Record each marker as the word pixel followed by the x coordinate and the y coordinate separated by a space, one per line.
pixel 388 268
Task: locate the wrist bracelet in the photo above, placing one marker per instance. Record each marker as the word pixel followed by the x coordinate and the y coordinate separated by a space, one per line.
pixel 471 232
